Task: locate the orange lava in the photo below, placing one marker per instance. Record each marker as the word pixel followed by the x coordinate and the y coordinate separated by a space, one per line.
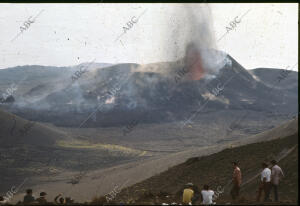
pixel 195 65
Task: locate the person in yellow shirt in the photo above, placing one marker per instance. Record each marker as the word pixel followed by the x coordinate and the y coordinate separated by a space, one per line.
pixel 188 194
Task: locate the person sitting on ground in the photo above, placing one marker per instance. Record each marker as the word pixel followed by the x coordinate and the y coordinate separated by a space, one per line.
pixel 207 195
pixel 276 175
pixel 69 200
pixel 188 194
pixel 265 183
pixel 196 194
pixel 2 200
pixel 61 199
pixel 42 199
pixel 236 181
pixel 28 198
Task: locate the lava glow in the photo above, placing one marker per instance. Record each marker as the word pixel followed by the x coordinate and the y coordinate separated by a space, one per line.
pixel 110 100
pixel 197 71
pixel 194 62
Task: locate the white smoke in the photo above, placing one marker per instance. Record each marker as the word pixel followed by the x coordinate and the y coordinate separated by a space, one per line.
pixel 194 26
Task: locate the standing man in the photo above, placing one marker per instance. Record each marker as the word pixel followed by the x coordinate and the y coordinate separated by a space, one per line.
pixel 265 184
pixel 236 181
pixel 276 175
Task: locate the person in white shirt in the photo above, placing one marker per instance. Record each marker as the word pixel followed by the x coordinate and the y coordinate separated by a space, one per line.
pixel 207 195
pixel 265 183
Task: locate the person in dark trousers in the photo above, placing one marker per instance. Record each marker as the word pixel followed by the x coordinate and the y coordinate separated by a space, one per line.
pixel 276 175
pixel 236 181
pixel 265 183
pixel 28 198
pixel 42 199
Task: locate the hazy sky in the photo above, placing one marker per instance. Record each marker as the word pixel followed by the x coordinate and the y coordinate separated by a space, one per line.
pixel 69 34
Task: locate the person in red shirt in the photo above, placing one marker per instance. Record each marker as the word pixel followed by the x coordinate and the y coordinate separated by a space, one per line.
pixel 236 181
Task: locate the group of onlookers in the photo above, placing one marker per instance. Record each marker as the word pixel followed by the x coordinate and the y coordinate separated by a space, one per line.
pixel 269 179
pixel 29 199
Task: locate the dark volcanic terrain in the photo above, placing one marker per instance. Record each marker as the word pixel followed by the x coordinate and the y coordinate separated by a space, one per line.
pixel 123 122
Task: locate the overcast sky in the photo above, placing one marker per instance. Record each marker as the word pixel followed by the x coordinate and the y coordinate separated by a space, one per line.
pixel 69 34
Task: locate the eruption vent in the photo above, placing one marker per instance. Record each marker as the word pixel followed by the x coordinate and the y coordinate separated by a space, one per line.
pixel 195 41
